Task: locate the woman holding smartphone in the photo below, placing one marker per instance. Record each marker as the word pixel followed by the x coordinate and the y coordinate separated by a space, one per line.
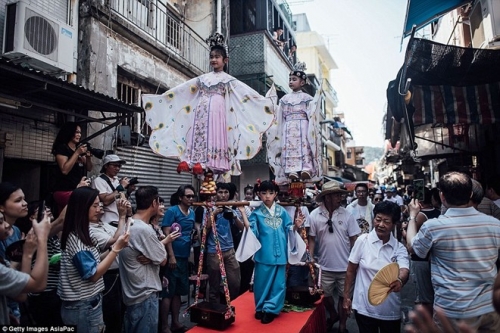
pixel 81 279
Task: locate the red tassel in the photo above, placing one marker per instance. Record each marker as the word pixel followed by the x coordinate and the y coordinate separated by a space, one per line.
pixel 197 169
pixel 183 167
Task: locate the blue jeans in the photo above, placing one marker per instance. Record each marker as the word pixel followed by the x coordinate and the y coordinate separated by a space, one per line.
pixel 86 314
pixel 142 317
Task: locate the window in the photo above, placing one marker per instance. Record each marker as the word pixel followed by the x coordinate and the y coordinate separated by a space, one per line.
pixel 141 13
pixel 349 153
pixel 243 16
pixel 174 32
pixel 130 90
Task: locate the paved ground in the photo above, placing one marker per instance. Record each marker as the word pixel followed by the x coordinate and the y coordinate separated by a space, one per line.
pixel 407 296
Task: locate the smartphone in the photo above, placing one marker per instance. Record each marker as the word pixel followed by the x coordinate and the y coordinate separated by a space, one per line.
pixel 418 189
pixel 127 225
pixel 41 211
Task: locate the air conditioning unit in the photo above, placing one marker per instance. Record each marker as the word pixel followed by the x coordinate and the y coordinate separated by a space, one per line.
pixel 485 24
pixel 39 40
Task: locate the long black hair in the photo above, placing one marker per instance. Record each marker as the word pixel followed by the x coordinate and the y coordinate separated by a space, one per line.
pixel 77 215
pixel 6 189
pixel 66 133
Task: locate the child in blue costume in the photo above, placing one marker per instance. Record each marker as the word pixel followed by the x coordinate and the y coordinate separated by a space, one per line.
pixel 272 226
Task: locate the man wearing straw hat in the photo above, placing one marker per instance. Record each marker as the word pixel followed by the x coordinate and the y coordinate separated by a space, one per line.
pixel 335 230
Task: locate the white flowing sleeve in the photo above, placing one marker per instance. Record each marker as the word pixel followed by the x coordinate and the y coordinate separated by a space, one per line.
pixel 171 117
pixel 314 135
pixel 249 115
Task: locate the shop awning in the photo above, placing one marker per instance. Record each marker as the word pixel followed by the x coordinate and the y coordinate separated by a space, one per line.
pixel 423 12
pixel 449 85
pixel 24 86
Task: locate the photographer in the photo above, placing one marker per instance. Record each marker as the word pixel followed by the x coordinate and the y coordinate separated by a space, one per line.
pixel 73 161
pixel 110 187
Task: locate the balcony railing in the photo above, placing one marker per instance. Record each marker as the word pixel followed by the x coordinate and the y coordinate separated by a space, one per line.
pixel 154 19
pixel 328 89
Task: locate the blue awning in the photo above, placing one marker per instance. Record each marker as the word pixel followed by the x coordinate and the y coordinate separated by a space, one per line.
pixel 423 12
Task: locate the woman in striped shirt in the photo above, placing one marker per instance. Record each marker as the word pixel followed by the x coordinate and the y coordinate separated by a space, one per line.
pixel 80 280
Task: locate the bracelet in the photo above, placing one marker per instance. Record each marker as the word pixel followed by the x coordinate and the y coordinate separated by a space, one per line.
pixel 399 279
pixel 115 251
pixel 412 218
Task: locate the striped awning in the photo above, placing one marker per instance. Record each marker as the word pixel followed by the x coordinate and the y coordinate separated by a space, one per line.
pixel 442 104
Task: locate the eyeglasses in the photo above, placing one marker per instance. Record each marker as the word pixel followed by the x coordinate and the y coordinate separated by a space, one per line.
pixel 115 165
pixel 189 196
pixel 330 226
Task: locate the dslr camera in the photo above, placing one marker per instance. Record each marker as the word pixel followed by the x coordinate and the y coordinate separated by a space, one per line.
pixel 99 153
pixel 227 213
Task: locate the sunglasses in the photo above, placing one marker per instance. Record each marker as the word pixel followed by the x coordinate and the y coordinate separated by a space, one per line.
pixel 330 226
pixel 377 199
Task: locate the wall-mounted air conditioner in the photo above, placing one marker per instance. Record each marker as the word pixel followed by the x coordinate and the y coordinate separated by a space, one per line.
pixel 485 24
pixel 39 40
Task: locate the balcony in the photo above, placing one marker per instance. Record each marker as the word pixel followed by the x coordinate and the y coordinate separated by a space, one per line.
pixel 330 93
pixel 156 21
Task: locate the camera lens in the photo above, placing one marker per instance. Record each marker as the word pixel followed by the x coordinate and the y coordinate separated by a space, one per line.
pixel 227 213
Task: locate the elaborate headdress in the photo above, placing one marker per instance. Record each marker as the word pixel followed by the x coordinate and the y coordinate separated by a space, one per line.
pixel 217 40
pixel 299 70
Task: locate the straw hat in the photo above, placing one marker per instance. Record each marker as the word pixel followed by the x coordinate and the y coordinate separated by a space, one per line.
pixel 330 187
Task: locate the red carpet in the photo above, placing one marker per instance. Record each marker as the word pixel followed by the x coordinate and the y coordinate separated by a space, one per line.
pixel 312 321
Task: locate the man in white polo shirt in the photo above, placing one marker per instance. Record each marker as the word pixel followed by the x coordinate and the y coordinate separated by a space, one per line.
pixel 110 186
pixel 335 230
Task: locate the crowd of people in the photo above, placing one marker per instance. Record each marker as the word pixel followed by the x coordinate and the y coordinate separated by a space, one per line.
pixel 100 264
pixel 110 256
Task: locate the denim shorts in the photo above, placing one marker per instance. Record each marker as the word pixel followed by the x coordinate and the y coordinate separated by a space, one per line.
pixel 86 314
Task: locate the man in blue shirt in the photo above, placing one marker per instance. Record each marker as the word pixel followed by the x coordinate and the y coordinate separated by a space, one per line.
pixel 178 251
pixel 463 245
pixel 224 218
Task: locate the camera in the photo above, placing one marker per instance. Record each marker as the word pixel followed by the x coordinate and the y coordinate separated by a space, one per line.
pixel 227 213
pixel 99 153
pixel 133 181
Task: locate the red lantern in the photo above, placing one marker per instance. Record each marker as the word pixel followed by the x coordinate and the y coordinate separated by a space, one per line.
pixel 197 169
pixel 183 167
